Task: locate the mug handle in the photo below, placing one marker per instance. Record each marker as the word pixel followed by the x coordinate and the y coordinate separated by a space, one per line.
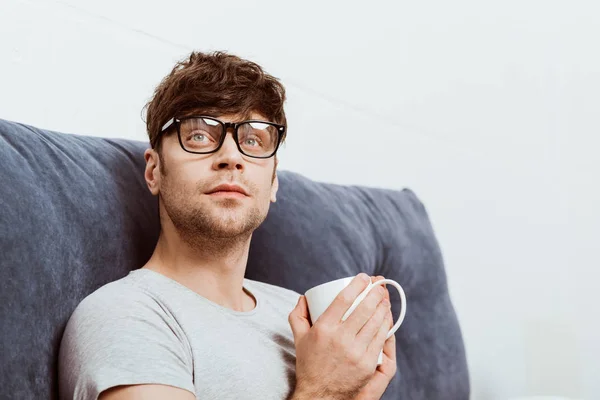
pixel 402 300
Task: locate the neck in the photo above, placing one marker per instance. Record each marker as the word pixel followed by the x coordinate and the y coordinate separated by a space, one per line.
pixel 212 267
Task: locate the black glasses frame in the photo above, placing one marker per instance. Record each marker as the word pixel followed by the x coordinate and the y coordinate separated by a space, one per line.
pixel 225 125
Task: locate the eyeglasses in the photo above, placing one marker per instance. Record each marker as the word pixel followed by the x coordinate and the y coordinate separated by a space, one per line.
pixel 204 135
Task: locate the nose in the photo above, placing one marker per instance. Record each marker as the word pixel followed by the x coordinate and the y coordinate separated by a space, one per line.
pixel 228 156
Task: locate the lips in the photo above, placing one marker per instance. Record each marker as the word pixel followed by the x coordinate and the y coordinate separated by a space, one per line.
pixel 228 188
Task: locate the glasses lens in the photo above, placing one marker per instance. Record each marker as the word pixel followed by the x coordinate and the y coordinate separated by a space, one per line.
pixel 257 139
pixel 200 134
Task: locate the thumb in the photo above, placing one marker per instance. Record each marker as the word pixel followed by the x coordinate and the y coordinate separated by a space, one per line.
pixel 299 319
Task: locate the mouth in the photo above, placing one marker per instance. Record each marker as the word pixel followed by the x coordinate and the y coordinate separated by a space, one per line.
pixel 228 191
pixel 227 194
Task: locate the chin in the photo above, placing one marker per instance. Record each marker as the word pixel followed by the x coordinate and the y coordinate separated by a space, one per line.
pixel 232 224
pixel 226 220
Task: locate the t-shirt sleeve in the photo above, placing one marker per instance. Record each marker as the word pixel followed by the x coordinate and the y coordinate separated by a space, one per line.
pixel 122 337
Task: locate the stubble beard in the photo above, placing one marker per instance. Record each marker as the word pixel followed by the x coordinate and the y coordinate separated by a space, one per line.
pixel 218 224
pixel 201 227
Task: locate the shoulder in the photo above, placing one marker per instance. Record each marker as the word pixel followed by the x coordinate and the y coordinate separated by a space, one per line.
pixel 112 332
pixel 117 314
pixel 115 300
pixel 120 310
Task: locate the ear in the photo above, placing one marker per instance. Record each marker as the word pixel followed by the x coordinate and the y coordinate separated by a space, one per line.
pixel 274 188
pixel 152 171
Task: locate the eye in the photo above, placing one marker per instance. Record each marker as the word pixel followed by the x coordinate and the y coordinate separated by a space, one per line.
pixel 253 142
pixel 198 137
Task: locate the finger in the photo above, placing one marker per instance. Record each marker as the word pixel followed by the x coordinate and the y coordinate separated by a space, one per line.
pixel 390 318
pixel 387 292
pixel 342 302
pixel 377 278
pixel 299 319
pixel 380 278
pixel 378 341
pixel 386 296
pixel 389 365
pixel 370 329
pixel 389 348
pixel 364 311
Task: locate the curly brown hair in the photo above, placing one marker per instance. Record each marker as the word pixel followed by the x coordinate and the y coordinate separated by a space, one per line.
pixel 214 84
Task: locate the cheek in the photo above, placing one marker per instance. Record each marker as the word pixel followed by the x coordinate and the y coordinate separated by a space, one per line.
pixel 182 182
pixel 267 191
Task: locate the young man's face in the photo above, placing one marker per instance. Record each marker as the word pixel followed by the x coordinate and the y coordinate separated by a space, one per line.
pixel 185 183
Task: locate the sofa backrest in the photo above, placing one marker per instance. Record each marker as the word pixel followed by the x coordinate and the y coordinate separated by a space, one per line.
pixel 75 214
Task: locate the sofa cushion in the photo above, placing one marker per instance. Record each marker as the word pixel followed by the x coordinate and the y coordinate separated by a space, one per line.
pixel 75 214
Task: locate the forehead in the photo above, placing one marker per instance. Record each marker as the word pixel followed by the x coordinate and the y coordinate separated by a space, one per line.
pixel 233 117
pixel 240 117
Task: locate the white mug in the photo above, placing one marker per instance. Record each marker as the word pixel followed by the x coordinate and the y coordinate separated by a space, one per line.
pixel 321 296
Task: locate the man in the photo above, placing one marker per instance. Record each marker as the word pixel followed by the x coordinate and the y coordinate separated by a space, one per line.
pixel 188 323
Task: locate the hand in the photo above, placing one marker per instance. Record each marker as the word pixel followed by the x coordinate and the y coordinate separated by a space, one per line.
pixel 384 373
pixel 337 359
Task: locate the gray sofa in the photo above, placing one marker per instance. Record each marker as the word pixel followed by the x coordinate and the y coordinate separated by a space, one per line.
pixel 75 214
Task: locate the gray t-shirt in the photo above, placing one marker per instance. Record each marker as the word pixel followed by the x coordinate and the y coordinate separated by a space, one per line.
pixel 147 328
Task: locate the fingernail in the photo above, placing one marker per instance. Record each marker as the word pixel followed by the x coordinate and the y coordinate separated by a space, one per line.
pixel 380 290
pixel 386 302
pixel 364 277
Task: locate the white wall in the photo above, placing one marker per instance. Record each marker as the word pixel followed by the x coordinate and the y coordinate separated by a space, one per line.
pixel 488 110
